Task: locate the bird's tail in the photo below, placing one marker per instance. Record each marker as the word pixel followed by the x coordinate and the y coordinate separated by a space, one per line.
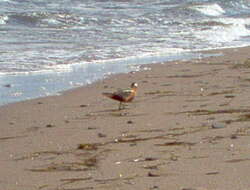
pixel 107 94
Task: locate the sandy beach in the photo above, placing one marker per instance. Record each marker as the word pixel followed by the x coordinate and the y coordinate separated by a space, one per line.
pixel 187 129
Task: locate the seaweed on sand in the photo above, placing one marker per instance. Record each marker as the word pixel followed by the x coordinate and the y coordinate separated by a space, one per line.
pixel 246 64
pixel 221 93
pixel 10 137
pixel 136 139
pixel 159 92
pixel 176 143
pixel 41 154
pixel 88 146
pixel 210 112
pixel 242 118
pixel 86 164
pixel 238 160
pixel 73 180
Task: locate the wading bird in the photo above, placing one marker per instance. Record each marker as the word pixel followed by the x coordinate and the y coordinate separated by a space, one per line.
pixel 123 95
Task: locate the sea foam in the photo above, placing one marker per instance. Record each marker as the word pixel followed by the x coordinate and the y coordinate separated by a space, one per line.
pixel 3 19
pixel 232 29
pixel 209 9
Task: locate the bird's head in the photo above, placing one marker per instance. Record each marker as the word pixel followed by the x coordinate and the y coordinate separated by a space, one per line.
pixel 134 85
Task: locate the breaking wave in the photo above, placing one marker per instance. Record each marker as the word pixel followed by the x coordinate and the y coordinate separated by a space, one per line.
pixel 209 9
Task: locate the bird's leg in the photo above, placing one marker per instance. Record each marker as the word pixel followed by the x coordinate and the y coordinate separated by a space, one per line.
pixel 120 106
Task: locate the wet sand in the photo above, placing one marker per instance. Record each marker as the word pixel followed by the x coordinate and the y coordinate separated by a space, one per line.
pixel 188 129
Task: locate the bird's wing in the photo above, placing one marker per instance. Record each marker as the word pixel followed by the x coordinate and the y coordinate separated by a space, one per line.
pixel 124 92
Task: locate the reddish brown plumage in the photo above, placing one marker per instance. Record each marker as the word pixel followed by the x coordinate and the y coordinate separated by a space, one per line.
pixel 123 95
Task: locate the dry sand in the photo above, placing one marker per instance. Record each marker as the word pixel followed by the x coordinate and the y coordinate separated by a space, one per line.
pixel 188 128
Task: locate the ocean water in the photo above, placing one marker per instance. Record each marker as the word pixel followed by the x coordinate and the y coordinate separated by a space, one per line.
pixel 47 46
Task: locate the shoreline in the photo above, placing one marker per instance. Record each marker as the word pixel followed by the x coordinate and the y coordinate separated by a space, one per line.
pixel 31 86
pixel 187 128
pixel 53 84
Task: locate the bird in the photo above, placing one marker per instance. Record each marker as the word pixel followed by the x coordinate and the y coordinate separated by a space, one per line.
pixel 123 95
